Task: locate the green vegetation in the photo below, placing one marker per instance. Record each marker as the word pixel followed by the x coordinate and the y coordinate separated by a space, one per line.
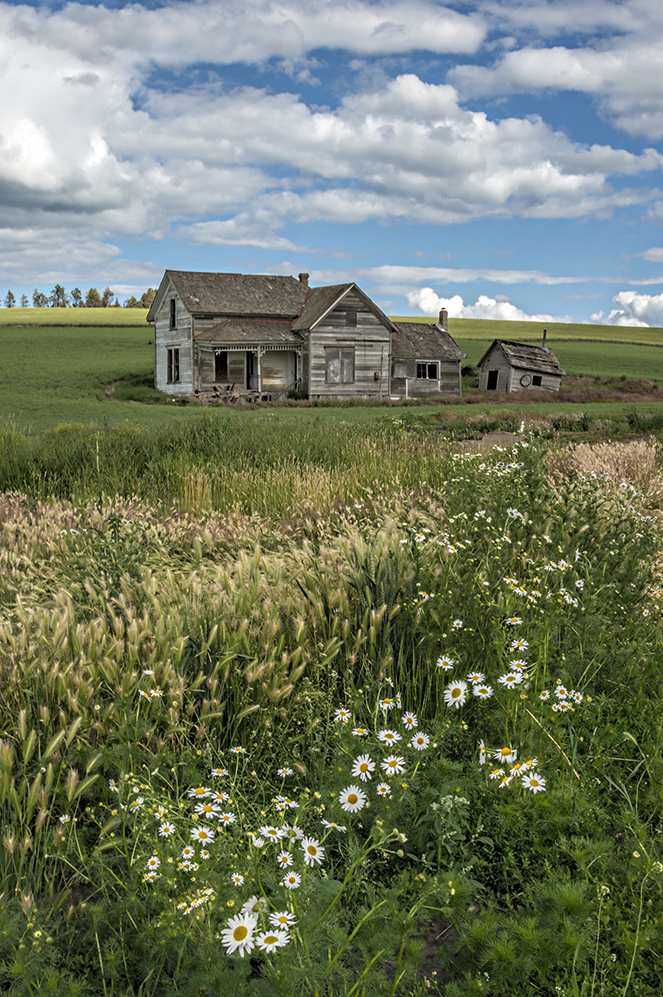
pixel 531 332
pixel 179 660
pixel 12 318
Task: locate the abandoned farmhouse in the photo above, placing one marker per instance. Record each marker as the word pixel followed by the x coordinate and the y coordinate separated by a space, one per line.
pixel 217 333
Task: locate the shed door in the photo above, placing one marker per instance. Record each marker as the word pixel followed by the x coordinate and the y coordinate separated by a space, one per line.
pixel 492 380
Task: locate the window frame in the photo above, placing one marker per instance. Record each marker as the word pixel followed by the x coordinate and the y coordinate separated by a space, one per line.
pixel 537 380
pixel 172 365
pixel 172 318
pixel 345 358
pixel 423 370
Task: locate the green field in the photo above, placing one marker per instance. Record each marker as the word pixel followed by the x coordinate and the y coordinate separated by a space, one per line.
pixel 72 316
pixel 53 374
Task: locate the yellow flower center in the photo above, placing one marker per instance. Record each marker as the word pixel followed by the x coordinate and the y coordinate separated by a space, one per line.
pixel 455 693
pixel 312 850
pixel 363 767
pixel 352 798
pixel 270 939
pixel 240 932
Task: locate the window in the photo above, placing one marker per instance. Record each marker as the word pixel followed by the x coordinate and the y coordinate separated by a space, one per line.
pixel 173 313
pixel 351 318
pixel 339 366
pixel 400 368
pixel 425 369
pixel 173 366
pixel 536 380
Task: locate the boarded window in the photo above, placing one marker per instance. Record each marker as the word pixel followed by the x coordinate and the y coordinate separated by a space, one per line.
pixel 221 366
pixel 340 366
pixel 351 318
pixel 536 381
pixel 400 368
pixel 427 369
pixel 173 366
pixel 173 313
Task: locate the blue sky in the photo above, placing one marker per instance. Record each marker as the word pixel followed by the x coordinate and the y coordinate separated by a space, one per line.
pixel 479 156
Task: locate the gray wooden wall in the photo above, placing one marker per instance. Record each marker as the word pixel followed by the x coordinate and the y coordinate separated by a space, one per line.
pixel 179 338
pixel 369 338
pixel 448 383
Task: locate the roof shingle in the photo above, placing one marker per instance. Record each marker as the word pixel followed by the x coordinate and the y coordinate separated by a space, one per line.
pixel 419 340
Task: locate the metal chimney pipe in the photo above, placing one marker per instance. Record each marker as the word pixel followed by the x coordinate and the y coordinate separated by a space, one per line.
pixel 543 344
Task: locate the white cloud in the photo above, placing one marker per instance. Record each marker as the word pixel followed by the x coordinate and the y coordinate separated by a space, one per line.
pixel 655 254
pixel 485 307
pixel 643 310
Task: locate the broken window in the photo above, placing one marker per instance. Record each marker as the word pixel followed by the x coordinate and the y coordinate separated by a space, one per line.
pixel 173 366
pixel 173 313
pixel 536 380
pixel 427 369
pixel 400 368
pixel 339 366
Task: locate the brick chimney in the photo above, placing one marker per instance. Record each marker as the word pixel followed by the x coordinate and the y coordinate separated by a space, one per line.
pixel 303 277
pixel 444 319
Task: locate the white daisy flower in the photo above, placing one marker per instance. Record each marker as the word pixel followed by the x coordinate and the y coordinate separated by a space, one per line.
pixel 238 936
pixel 218 773
pixel 282 919
pixel 199 792
pixel 188 852
pixel 386 704
pixel 445 663
pixel 510 680
pixel 476 677
pixel 360 732
pixel 455 694
pixel 271 833
pixel 483 756
pixel 166 829
pixel 534 782
pixel 506 754
pixel 236 879
pixel 388 736
pixel 342 714
pixel 270 941
pixel 363 767
pixel 482 691
pixel 457 625
pixel 519 645
pixel 332 825
pixel 153 862
pixel 64 819
pixel 545 695
pixel 202 834
pixel 314 853
pixel 227 819
pixel 238 750
pixel 284 771
pixel 561 692
pixel 383 789
pixel 410 720
pixel 352 799
pixel 514 621
pixel 220 797
pixel 204 854
pixel 517 665
pixel 496 773
pixel 254 905
pixel 284 859
pixel 292 832
pixel 420 741
pixel 291 880
pixel 113 786
pixel 207 808
pixel 393 765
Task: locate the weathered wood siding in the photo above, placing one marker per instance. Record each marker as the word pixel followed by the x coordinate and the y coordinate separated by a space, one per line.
pixel 278 369
pixel 496 360
pixel 549 382
pixel 448 383
pixel 351 326
pixel 166 338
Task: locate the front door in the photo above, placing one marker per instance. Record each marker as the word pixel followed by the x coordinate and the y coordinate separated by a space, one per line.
pixel 251 371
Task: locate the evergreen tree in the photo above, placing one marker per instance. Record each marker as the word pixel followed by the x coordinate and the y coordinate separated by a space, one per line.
pixel 93 298
pixel 148 297
pixel 39 299
pixel 59 297
pixel 24 301
pixel 107 298
pixel 10 300
pixel 76 298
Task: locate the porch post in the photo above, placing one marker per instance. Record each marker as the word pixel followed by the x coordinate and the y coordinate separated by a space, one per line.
pixel 259 369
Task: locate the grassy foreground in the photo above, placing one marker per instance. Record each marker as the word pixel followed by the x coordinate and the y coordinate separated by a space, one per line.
pixel 258 743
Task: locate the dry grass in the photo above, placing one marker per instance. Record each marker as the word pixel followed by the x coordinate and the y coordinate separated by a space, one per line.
pixel 637 463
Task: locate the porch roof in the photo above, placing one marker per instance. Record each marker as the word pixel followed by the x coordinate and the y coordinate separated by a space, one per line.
pixel 249 330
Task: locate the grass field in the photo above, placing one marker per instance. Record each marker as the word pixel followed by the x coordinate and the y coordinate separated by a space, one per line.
pixel 531 332
pixel 72 316
pixel 56 374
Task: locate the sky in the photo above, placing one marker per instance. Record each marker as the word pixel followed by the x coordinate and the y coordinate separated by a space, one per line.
pixel 500 158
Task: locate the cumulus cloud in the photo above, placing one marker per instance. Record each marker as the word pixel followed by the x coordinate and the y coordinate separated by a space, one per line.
pixel 634 309
pixel 430 303
pixel 655 254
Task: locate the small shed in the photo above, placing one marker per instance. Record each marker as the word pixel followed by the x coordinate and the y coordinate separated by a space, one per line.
pixel 425 360
pixel 507 366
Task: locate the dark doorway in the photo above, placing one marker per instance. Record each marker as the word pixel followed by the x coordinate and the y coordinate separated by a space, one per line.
pixel 221 367
pixel 492 380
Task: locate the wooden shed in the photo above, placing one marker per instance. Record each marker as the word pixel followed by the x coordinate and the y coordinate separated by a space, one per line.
pixel 507 366
pixel 425 360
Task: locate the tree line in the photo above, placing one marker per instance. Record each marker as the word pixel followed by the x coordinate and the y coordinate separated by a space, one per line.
pixel 59 298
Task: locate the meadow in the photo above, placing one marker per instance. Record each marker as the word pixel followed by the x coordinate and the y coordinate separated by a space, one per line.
pixel 383 719
pixel 325 701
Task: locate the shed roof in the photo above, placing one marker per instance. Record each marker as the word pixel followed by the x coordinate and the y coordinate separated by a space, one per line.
pixel 525 357
pixel 419 340
pixel 236 293
pixel 250 330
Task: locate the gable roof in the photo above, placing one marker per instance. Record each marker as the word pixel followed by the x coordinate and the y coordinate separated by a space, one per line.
pixel 421 340
pixel 538 358
pixel 321 300
pixel 233 294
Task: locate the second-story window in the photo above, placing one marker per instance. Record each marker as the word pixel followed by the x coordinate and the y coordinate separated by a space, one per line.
pixel 173 313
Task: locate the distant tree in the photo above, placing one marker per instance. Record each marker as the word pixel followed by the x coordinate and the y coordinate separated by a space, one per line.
pixel 107 298
pixel 10 300
pixel 76 298
pixel 39 299
pixel 132 302
pixel 59 297
pixel 24 301
pixel 148 297
pixel 93 298
pixel 116 303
